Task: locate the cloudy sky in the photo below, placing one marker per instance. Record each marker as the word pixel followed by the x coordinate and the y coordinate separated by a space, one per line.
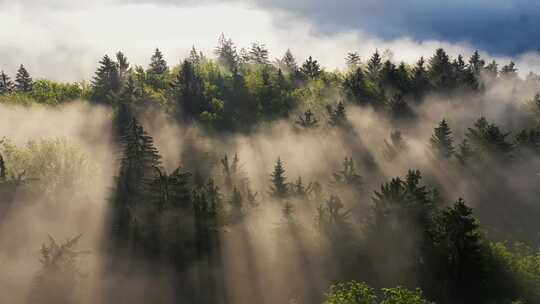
pixel 63 39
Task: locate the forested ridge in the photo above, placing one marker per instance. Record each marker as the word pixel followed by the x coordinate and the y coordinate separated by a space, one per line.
pixel 234 178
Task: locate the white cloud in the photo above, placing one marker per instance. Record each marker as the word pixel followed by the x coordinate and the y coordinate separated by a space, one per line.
pixel 65 42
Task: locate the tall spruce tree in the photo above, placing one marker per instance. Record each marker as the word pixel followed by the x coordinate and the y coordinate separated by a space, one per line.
pixel 310 68
pixel 106 81
pixel 442 142
pixel 441 71
pixel 23 81
pixel 289 62
pixel 227 54
pixel 279 188
pixel 374 67
pixel 188 90
pixel 158 65
pixel 353 60
pixel 258 53
pixel 6 85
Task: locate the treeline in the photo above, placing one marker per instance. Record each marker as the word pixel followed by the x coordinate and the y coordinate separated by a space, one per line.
pixel 240 88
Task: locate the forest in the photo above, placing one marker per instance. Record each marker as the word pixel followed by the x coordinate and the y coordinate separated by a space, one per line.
pixel 231 177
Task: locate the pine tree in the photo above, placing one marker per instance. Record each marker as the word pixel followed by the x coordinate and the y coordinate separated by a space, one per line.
pixel 356 87
pixel 488 140
pixel 420 80
pixel 258 53
pixel 399 109
pixel 6 85
pixel 310 68
pixel 23 81
pixel 476 64
pixel 307 120
pixel 441 142
pixel 289 63
pixel 106 82
pixel 353 60
pixel 337 115
pixel 188 90
pixel 158 65
pixel 280 188
pixel 226 52
pixel 457 242
pixel 123 66
pixel 195 57
pixel 348 176
pixel 441 71
pixel 374 67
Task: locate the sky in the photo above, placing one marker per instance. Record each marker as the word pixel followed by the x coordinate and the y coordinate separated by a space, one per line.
pixel 64 39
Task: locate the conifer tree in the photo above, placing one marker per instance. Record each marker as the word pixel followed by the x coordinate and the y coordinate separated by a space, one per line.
pixel 23 81
pixel 258 53
pixel 289 63
pixel 441 71
pixel 158 65
pixel 310 68
pixel 337 115
pixel 353 60
pixel 106 82
pixel 3 170
pixel 420 80
pixel 227 54
pixel 442 142
pixel 189 92
pixel 195 57
pixel 476 64
pixel 307 120
pixel 457 242
pixel 488 140
pixel 356 87
pixel 509 70
pixel 374 67
pixel 348 176
pixel 279 188
pixel 6 85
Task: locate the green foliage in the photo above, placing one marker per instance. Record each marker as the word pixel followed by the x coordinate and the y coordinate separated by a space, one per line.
pixel 441 142
pixel 23 81
pixel 280 188
pixel 351 293
pixel 488 141
pixel 53 93
pixel 360 293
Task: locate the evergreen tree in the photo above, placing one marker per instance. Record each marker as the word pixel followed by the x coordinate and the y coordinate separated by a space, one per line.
pixel 337 115
pixel 356 87
pixel 353 60
pixel 195 57
pixel 188 90
pixel 476 64
pixel 420 80
pixel 441 142
pixel 6 85
pixel 492 69
pixel 441 71
pixel 23 81
pixel 280 188
pixel 289 63
pixel 226 52
pixel 457 242
pixel 310 68
pixel 106 82
pixel 307 120
pixel 258 53
pixel 158 65
pixel 488 140
pixel 348 176
pixel 374 67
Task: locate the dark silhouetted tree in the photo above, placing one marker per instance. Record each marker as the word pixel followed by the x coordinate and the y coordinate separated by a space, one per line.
pixel 6 85
pixel 310 68
pixel 307 120
pixel 23 81
pixel 279 188
pixel 106 82
pixel 442 142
